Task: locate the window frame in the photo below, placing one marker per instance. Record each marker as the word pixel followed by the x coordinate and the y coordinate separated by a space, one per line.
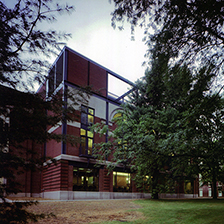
pixel 81 178
pixel 128 179
pixel 86 136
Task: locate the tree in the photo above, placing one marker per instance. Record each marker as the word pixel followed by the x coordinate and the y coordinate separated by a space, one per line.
pixel 23 132
pixel 157 136
pixel 24 117
pixel 190 29
pixel 22 43
pixel 141 140
pixel 209 141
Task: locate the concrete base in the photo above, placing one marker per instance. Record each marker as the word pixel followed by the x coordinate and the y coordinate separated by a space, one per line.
pixel 22 195
pixel 166 195
pixel 79 195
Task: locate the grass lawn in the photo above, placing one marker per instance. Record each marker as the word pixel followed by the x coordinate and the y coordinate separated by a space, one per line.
pixel 197 211
pixel 189 211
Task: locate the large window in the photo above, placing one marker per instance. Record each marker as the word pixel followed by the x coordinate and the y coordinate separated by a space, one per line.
pixel 87 119
pixel 188 187
pixel 85 179
pixel 121 182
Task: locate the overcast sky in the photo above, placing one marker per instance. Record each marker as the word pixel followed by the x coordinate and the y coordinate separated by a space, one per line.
pixel 94 37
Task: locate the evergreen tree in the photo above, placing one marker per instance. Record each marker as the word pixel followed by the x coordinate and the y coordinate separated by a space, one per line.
pixel 158 134
pixel 208 140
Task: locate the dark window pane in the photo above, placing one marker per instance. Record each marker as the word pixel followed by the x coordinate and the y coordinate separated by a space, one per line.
pixel 87 119
pixel 83 145
pixel 84 109
pixel 51 81
pixel 84 118
pixel 85 179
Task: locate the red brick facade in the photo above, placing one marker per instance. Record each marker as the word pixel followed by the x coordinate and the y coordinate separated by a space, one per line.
pixel 67 174
pixel 56 176
pixel 75 170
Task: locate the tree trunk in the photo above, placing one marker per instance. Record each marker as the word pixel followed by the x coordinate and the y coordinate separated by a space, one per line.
pixel 155 192
pixel 214 187
pixel 155 195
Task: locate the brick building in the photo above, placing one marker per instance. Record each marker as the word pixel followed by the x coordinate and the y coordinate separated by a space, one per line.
pixel 18 125
pixel 75 174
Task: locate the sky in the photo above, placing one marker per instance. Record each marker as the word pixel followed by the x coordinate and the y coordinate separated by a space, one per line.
pixel 94 37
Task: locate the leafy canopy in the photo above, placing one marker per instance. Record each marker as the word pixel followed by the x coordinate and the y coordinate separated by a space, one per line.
pixel 22 42
pixel 192 29
pixel 24 46
pixel 157 136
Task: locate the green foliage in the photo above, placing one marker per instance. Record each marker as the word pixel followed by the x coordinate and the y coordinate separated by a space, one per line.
pixel 25 117
pixel 22 42
pixel 161 133
pixel 22 141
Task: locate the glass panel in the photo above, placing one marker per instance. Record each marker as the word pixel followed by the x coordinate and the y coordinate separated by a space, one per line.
pixel 83 145
pixel 114 179
pixel 90 146
pixel 117 115
pixel 90 181
pixel 90 134
pixel 85 179
pixel 121 182
pixel 84 109
pixel 90 119
pixel 51 80
pixel 82 132
pixel 91 111
pixel 84 118
pixel 59 70
pixel 188 188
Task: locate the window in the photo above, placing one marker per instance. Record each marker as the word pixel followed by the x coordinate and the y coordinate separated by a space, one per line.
pixel 87 119
pixel 117 115
pixel 121 182
pixel 85 179
pixel 188 187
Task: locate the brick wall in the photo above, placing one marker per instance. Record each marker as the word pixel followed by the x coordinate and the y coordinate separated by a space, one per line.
pixel 105 181
pixel 53 147
pixel 55 177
